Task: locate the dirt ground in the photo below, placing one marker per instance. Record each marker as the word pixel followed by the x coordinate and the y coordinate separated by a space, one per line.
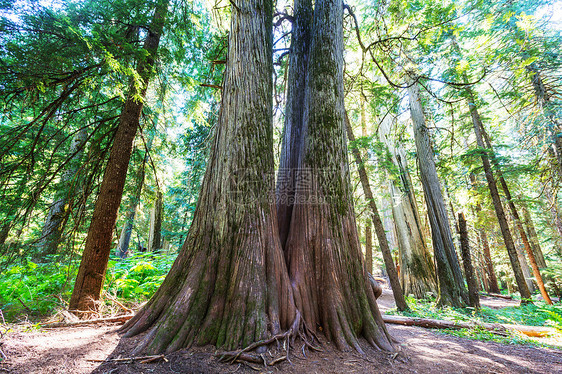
pixel 81 350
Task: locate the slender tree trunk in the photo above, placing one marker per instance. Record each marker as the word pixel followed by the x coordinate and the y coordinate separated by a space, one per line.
pixel 59 210
pixel 500 213
pixel 449 275
pixel 556 216
pixel 516 218
pixel 417 270
pixel 369 246
pixel 379 228
pixel 91 273
pixel 155 235
pixel 489 265
pixel 229 285
pixel 474 299
pixel 533 237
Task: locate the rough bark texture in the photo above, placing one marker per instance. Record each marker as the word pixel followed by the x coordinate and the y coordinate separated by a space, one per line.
pixel 294 112
pixel 474 299
pixel 377 222
pixel 417 269
pixel 450 279
pixel 331 285
pixel 91 273
pixel 155 235
pixel 496 201
pixel 68 185
pixel 229 285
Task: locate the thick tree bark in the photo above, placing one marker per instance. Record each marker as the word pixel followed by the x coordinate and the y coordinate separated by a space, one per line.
pixel 474 299
pixel 496 201
pixel 417 270
pixel 68 185
pixel 450 279
pixel 155 234
pixel 91 273
pixel 331 285
pixel 377 222
pixel 229 285
pixel 294 112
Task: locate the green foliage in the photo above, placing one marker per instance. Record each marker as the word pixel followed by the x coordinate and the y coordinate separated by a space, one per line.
pixel 34 290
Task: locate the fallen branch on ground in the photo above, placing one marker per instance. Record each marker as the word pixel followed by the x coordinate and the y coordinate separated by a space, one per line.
pixel 498 328
pixel 142 359
pixel 123 318
pixel 497 295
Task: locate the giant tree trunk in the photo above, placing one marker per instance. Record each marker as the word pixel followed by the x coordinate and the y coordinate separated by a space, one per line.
pixel 59 211
pixel 331 285
pixel 294 112
pixel 450 280
pixel 229 285
pixel 500 213
pixel 379 228
pixel 91 273
pixel 417 270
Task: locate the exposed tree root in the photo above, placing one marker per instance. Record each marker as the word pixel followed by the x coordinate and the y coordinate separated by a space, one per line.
pixel 297 329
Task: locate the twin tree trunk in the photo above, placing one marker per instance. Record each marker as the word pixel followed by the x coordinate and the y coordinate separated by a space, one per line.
pixel 450 280
pixel 231 285
pixel 473 297
pixel 91 273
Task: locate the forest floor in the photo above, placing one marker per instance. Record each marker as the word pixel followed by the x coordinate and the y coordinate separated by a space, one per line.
pixel 81 350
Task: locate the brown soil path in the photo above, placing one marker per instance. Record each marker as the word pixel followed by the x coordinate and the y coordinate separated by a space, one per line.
pixel 68 350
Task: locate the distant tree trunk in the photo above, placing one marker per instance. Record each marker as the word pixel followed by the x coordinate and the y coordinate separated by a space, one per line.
pixel 417 270
pixel 155 235
pixel 517 220
pixel 229 286
pixel 500 213
pixel 66 188
pixel 474 299
pixel 533 237
pixel 489 265
pixel 91 272
pixel 379 228
pixel 125 237
pixel 294 115
pixel 556 216
pixel 451 283
pixel 369 246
